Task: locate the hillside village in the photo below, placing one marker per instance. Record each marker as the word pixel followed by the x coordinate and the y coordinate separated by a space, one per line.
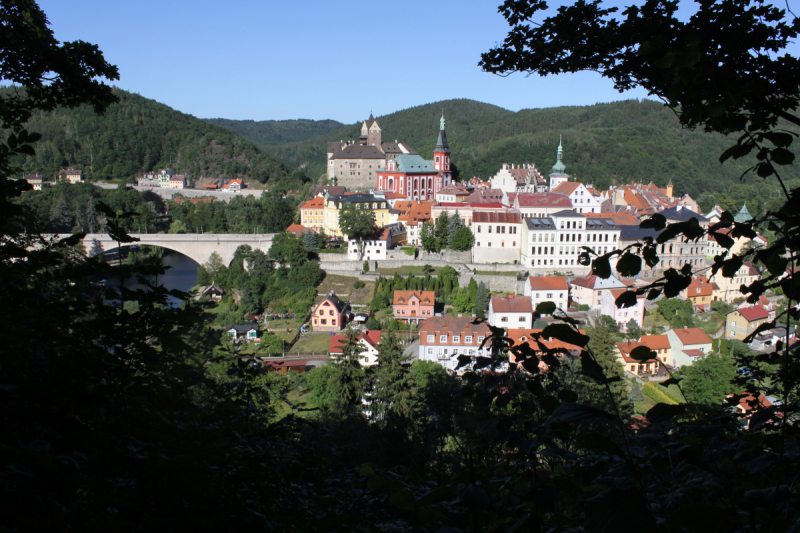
pixel 446 261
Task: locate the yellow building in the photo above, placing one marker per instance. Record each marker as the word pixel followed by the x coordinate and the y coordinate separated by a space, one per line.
pixel 729 287
pixel 334 204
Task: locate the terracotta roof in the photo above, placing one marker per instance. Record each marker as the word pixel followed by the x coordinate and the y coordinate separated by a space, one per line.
pixel 425 297
pixel 511 304
pixel 692 336
pixel 371 337
pixel 655 342
pixel 441 325
pixel 694 353
pixel 543 199
pixel 699 286
pixel 414 212
pixel 315 203
pixel 593 282
pixel 753 313
pixel 625 348
pixel 567 187
pixel 748 401
pixel 543 283
pixel 525 336
pixel 495 216
pixel 485 195
pixel 299 229
pixel 752 271
pixel 620 219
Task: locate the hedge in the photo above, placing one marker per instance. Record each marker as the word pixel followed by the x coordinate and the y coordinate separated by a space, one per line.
pixel 669 393
pixel 659 396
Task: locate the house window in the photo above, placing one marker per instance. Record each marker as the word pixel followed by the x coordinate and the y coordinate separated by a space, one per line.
pixel 430 351
pixel 549 295
pixel 333 321
pixel 456 338
pixel 480 338
pixel 431 338
pixel 522 319
pixel 468 339
pixel 442 338
pixel 504 319
pixel 323 322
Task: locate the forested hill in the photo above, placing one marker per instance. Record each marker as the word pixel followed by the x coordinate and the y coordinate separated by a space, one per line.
pixel 275 132
pixel 137 135
pixel 622 141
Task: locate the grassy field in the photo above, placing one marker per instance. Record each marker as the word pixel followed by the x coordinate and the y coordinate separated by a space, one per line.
pixel 491 273
pixel 299 404
pixel 292 323
pixel 404 271
pixel 313 342
pixel 642 407
pixel 342 286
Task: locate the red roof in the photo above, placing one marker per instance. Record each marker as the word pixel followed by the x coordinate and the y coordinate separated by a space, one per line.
pixel 525 336
pixel 543 199
pixel 655 342
pixel 543 283
pixel 511 304
pixel 694 353
pixel 299 229
pixel 689 336
pixel 425 297
pixel 753 313
pixel 315 203
pixel 371 337
pixel 497 217
pixel 625 349
pixel 567 187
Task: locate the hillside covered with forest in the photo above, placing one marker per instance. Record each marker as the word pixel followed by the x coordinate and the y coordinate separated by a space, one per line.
pixel 618 142
pixel 138 134
pixel 265 133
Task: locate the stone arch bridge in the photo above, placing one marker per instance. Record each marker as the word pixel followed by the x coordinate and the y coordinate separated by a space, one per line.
pixel 193 245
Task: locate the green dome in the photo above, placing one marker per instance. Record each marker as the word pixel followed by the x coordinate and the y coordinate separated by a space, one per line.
pixel 559 168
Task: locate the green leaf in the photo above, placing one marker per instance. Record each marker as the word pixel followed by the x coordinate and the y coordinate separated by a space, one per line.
pixel 629 265
pixel 601 267
pixel 403 499
pixel 656 222
pixel 626 299
pixel 575 412
pixel 546 308
pixel 661 412
pixel 565 333
pixel 643 353
pixel 782 156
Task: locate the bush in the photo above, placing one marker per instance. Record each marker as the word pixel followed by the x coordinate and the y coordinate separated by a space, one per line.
pixel 358 284
pixel 373 324
pixel 657 394
pixel 583 307
pixel 409 250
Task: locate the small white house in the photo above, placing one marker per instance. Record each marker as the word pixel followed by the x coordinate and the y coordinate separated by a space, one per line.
pixel 548 289
pixel 622 315
pixel 247 332
pixel 511 312
pixel 589 290
pixel 687 345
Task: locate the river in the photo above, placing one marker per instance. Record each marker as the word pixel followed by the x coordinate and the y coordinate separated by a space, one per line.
pixel 182 274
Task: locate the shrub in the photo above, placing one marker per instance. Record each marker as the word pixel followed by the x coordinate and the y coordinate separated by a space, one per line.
pixel 658 395
pixel 358 284
pixel 583 307
pixel 409 250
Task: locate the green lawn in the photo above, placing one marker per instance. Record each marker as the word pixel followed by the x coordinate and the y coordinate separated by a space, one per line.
pixel 642 407
pixel 312 342
pixel 298 399
pixel 404 271
pixel 342 286
pixel 292 323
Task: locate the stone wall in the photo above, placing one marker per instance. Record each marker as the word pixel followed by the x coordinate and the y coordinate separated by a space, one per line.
pixel 448 256
pixel 493 283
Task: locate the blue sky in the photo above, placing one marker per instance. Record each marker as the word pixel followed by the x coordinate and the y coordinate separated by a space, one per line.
pixel 316 59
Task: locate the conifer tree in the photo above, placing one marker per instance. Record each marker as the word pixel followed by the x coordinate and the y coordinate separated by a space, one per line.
pixel 454 225
pixel 602 345
pixel 59 215
pixel 393 392
pixel 348 381
pixel 80 220
pixel 91 216
pixel 310 242
pixel 482 300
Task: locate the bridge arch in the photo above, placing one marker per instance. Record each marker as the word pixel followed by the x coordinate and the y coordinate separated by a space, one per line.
pixel 197 247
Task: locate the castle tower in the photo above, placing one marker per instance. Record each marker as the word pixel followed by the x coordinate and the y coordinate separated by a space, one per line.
pixel 559 171
pixel 372 130
pixel 441 158
pixel 670 188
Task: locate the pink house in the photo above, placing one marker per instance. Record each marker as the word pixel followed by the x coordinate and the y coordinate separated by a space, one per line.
pixel 330 314
pixel 413 306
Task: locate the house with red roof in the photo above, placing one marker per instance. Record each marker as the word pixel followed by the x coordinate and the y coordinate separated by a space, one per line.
pixel 743 321
pixel 511 312
pixel 622 315
pixel 453 193
pixel 497 237
pixel 700 292
pixel 312 213
pixel 687 345
pixel 548 289
pixel 582 200
pixel 541 345
pixel 234 185
pixel 634 366
pixel 413 306
pixel 368 342
pixel 412 214
pixel 443 339
pixel 588 290
pixel 541 204
pixel 299 230
pixel 729 288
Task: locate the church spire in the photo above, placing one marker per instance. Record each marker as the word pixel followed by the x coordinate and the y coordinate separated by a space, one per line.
pixel 441 142
pixel 559 168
